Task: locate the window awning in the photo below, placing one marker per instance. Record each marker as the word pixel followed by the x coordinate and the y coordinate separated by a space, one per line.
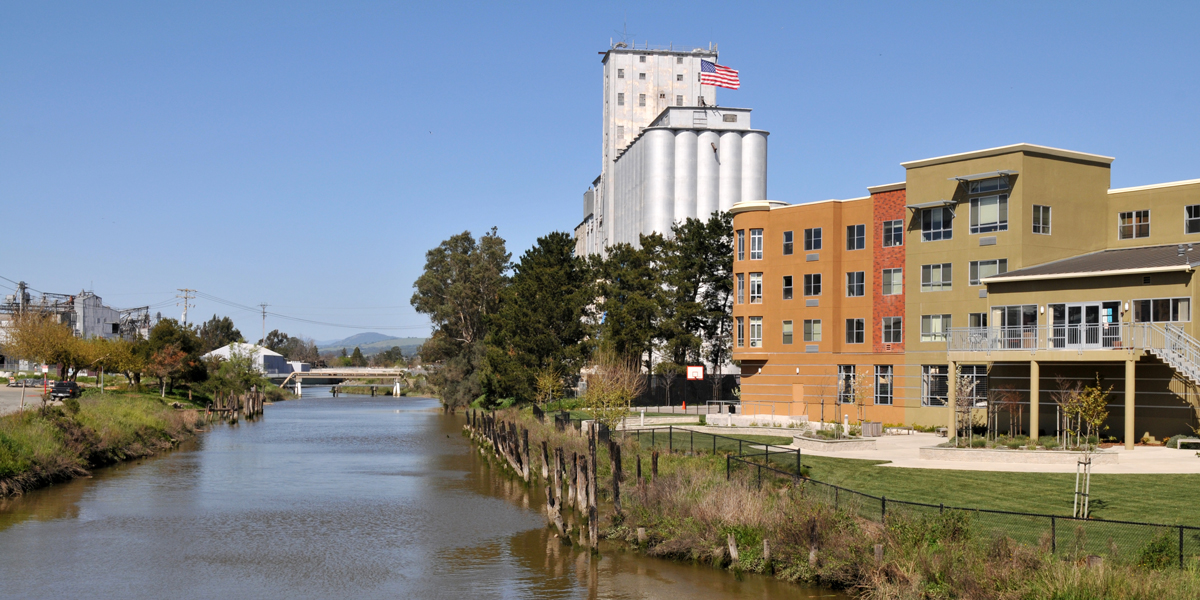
pixel 934 204
pixel 978 176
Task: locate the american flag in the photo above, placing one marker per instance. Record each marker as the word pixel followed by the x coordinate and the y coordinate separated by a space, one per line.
pixel 714 74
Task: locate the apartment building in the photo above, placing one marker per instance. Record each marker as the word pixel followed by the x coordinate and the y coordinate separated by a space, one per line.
pixel 1011 267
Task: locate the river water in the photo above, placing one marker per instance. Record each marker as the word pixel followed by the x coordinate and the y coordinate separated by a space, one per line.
pixel 353 497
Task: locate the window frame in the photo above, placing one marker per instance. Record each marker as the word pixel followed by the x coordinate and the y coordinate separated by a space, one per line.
pixel 887 279
pixel 756 244
pixel 756 295
pixel 741 331
pixel 856 237
pixel 944 322
pixel 929 395
pixel 620 73
pixel 945 232
pixel 856 331
pixel 812 330
pixel 895 237
pixel 845 385
pixel 893 326
pixel 973 278
pixel 1001 223
pixel 812 284
pixel 1042 218
pixel 1133 225
pixel 786 333
pixel 812 239
pixel 620 98
pixel 756 326
pixel 944 283
pixel 1137 309
pixel 788 289
pixel 885 392
pixel 856 281
pixel 741 244
pixel 1191 216
pixel 788 243
pixel 740 287
pixel 641 99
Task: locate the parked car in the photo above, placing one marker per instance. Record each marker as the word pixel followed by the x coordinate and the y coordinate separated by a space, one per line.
pixel 64 389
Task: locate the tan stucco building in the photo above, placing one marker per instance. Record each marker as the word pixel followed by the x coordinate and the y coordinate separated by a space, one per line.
pixel 1012 266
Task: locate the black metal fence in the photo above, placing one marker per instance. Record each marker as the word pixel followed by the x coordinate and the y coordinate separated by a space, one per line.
pixel 1150 544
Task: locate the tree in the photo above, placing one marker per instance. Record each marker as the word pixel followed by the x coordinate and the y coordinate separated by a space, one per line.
pixel 540 323
pixel 357 359
pixel 169 333
pixel 218 333
pixel 612 386
pixel 275 341
pixel 388 358
pixel 716 293
pixel 459 288
pixel 41 336
pixel 629 304
pixel 235 375
pixel 167 363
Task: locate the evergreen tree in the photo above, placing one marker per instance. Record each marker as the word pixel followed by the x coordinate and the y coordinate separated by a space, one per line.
pixel 357 359
pixel 629 288
pixel 217 333
pixel 539 325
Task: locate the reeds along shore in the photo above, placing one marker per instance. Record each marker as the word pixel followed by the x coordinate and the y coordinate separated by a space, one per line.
pixel 57 443
pixel 682 507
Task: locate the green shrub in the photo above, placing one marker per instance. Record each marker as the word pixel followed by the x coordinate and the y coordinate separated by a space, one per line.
pixel 1174 441
pixel 978 443
pixel 1049 442
pixel 1159 553
pixel 703 420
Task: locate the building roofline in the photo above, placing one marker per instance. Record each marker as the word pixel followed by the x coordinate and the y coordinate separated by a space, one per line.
pixel 668 51
pixel 887 187
pixel 1154 186
pixel 756 205
pixel 1079 274
pixel 1031 148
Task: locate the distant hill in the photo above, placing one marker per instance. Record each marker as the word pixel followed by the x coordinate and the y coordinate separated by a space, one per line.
pixel 373 343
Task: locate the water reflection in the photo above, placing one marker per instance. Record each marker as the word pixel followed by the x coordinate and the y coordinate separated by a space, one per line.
pixel 355 496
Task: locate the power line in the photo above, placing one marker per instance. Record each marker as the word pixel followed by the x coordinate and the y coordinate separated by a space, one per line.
pixel 186 296
pixel 232 304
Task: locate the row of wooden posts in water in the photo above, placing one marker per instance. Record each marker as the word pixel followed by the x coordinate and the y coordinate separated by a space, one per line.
pixel 577 472
pixel 230 406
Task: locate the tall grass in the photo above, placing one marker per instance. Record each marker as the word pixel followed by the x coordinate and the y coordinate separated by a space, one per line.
pixel 38 447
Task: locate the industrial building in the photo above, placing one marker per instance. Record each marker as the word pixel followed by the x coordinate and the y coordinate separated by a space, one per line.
pixel 1006 268
pixel 266 361
pixel 668 152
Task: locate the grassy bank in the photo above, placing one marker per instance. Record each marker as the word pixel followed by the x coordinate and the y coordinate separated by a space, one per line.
pixel 691 510
pixel 56 443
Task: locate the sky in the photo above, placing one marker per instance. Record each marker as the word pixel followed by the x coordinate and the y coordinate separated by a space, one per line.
pixel 306 155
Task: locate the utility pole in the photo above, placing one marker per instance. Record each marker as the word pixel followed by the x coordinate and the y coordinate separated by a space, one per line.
pixel 264 306
pixel 185 296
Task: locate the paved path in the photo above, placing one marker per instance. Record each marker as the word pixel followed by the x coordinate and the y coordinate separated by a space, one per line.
pixel 10 398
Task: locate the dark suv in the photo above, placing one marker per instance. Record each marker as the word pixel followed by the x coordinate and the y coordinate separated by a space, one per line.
pixel 64 389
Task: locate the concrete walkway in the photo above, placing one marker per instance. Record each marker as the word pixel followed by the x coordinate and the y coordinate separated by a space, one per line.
pixel 10 398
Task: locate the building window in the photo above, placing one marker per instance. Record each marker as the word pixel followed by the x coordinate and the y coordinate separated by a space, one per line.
pixel 741 288
pixel 935 385
pixel 1041 219
pixel 741 244
pixel 935 278
pixel 756 288
pixel 787 287
pixel 679 60
pixel 1162 310
pixel 976 387
pixel 812 239
pixel 678 100
pixel 845 384
pixel 812 330
pixel 787 332
pixel 856 331
pixel 893 282
pixel 787 243
pixel 741 332
pixel 856 284
pixel 679 77
pixel 977 320
pixel 983 186
pixel 729 118
pixel 893 233
pixel 937 224
pixel 642 58
pixel 1135 224
pixel 989 214
pixel 641 99
pixel 812 284
pixel 935 328
pixel 982 269
pixel 620 102
pixel 893 330
pixel 756 332
pixel 1191 219
pixel 856 237
pixel 883 384
pixel 620 73
pixel 641 76
pixel 620 132
pixel 756 244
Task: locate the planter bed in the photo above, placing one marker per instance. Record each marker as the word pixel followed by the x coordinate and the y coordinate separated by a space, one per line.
pixel 1041 457
pixel 822 445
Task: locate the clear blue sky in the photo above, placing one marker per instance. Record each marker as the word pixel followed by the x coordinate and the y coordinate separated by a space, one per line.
pixel 308 154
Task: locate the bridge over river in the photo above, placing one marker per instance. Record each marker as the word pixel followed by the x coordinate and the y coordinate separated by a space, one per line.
pixel 338 375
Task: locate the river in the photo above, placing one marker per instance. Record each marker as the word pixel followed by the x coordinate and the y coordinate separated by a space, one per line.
pixel 354 497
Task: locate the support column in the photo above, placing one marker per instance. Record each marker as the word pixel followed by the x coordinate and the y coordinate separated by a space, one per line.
pixel 952 400
pixel 1035 391
pixel 1130 388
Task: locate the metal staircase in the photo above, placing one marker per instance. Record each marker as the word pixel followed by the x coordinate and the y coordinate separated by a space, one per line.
pixel 1171 345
